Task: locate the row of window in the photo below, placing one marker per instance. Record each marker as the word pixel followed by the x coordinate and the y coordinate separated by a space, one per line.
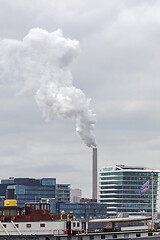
pixel 28 225
pixel 115 235
pixel 141 206
pixel 82 206
pixel 63 199
pixel 58 186
pixel 125 195
pixel 124 187
pixel 115 191
pixel 104 201
pixel 63 191
pixel 144 174
pixel 92 211
pixel 63 195
pixel 45 191
pixel 33 196
pixel 33 188
pixel 128 210
pixel 74 224
pixel 143 180
pixel 132 192
pixel 128 201
pixel 9 212
pixel 137 183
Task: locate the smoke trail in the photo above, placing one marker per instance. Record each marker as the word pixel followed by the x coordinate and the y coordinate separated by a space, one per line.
pixel 41 65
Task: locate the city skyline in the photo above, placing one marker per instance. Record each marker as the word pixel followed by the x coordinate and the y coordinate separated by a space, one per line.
pixel 117 67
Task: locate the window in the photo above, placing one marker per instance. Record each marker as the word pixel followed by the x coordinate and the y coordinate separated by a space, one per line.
pixel 37 206
pixel 114 235
pixel 91 237
pixel 47 238
pixel 4 225
pixel 138 234
pixel 28 225
pixel 6 212
pixel 74 224
pixel 77 224
pixel 17 225
pixel 126 235
pixel 103 236
pixel 150 234
pixel 42 225
pixel 13 212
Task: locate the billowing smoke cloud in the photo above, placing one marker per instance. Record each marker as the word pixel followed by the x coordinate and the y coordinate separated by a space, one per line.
pixel 41 65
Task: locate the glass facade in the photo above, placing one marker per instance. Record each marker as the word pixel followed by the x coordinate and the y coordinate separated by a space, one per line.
pixel 2 198
pixel 35 190
pixel 34 193
pixel 119 187
pixel 48 181
pixel 62 192
pixel 83 210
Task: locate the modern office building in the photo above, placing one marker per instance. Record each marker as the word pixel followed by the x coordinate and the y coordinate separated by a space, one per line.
pixel 62 193
pixel 32 190
pixel 83 210
pixel 119 188
pixel 58 195
pixel 17 181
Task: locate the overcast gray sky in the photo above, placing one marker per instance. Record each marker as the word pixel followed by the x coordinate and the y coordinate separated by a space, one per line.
pixel 118 68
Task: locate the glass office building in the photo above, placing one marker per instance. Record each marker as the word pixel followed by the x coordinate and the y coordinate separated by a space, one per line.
pixel 83 210
pixel 119 188
pixel 35 190
pixel 62 192
pixel 25 194
pixel 29 189
pixel 34 193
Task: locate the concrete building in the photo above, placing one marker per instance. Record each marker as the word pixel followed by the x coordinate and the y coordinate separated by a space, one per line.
pixel 119 188
pixel 76 195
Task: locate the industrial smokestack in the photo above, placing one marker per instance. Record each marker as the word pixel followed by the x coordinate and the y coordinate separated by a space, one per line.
pixel 94 174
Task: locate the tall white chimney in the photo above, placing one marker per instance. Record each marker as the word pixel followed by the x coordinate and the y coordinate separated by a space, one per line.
pixel 94 174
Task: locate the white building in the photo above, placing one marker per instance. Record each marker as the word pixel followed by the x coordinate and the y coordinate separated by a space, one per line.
pixel 119 187
pixel 76 195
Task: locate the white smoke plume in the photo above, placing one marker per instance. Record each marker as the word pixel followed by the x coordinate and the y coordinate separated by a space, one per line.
pixel 41 65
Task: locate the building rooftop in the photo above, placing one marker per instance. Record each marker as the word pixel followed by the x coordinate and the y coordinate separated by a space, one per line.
pixel 128 168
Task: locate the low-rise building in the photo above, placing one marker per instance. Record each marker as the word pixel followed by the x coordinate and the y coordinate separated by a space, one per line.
pixel 76 195
pixel 83 210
